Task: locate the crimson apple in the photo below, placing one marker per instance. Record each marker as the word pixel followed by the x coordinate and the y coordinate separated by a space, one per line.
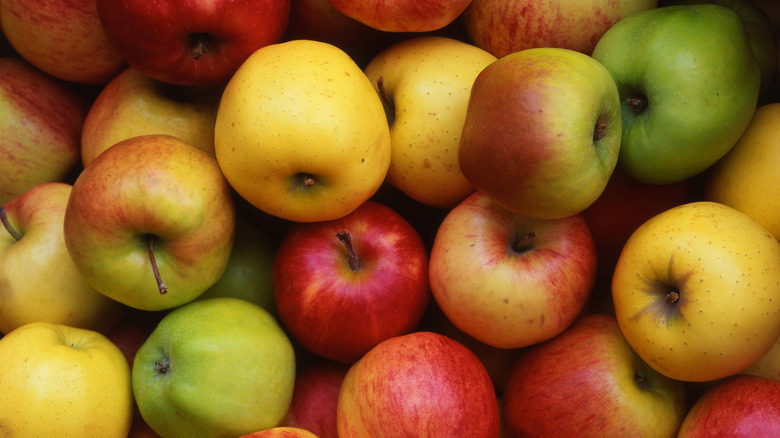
pixel 342 286
pixel 315 397
pixel 402 15
pixel 192 42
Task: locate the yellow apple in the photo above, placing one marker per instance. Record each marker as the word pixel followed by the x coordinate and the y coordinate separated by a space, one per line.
pixel 768 366
pixel 746 177
pixel 300 132
pixel 57 380
pixel 425 84
pixel 696 291
pixel 133 104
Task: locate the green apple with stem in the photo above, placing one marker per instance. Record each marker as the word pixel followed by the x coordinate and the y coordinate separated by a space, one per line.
pixel 688 84
pixel 150 222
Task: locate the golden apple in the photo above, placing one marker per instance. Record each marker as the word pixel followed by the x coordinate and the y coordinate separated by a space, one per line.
pixel 696 291
pixel 300 132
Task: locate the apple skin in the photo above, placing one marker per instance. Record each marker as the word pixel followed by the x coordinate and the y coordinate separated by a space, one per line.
pixel 162 39
pixel 283 99
pixel 315 398
pixel 589 382
pixel 184 378
pixel 281 432
pixel 40 127
pixel 63 39
pixel 40 281
pixel 507 26
pixel 737 407
pixel 684 105
pixel 696 291
pixel 420 384
pixel 768 366
pixel 57 380
pixel 133 104
pixel 542 132
pixel 151 188
pixel 336 311
pixel 402 15
pixel 746 177
pixel 427 81
pixel 501 293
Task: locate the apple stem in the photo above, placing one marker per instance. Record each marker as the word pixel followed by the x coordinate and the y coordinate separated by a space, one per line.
pixel 160 285
pixel 346 239
pixel 525 243
pixel 600 131
pixel 636 104
pixel 672 297
pixel 308 180
pixel 162 366
pixel 7 224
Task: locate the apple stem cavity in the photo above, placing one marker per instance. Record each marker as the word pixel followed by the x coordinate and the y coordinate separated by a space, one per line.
pixel 200 45
pixel 641 379
pixel 524 244
pixel 7 224
pixel 599 131
pixel 346 239
pixel 388 103
pixel 637 104
pixel 672 297
pixel 150 249
pixel 307 180
pixel 163 366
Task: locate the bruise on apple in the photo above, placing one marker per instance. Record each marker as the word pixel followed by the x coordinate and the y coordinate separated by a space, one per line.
pixel 671 294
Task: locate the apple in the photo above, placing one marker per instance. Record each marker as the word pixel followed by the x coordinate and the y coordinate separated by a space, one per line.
pixel 57 380
pixel 343 286
pixel 64 39
pixel 150 222
pixel 281 432
pixel 300 132
pixel 746 177
pixel 425 84
pixel 768 366
pixel 191 43
pixel 738 406
pixel 134 104
pixel 542 132
pixel 506 26
pixel 419 384
pixel 315 397
pixel 589 382
pixel 39 280
pixel 697 291
pixel 402 15
pixel 186 378
pixel 683 105
pixel 40 126
pixel 508 280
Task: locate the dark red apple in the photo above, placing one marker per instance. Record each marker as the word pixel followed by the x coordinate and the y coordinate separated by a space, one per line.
pixel 315 396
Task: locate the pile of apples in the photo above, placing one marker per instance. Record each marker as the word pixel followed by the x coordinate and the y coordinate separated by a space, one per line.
pixel 389 218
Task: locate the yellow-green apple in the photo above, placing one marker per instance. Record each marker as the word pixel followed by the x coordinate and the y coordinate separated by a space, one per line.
pixel 402 15
pixel 507 26
pixel 301 133
pixel 542 132
pixel 40 127
pixel 38 279
pixel 185 378
pixel 768 366
pixel 425 83
pixel 683 105
pixel 249 271
pixel 746 177
pixel 696 291
pixel 589 382
pixel 57 380
pixel 150 222
pixel 282 432
pixel 315 397
pixel 191 42
pixel 737 407
pixel 63 39
pixel 510 280
pixel 133 104
pixel 421 384
pixel 345 285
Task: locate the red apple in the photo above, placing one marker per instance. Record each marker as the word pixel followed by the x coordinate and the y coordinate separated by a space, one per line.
pixel 739 406
pixel 192 42
pixel 315 397
pixel 281 432
pixel 588 382
pixel 510 280
pixel 402 15
pixel 420 384
pixel 342 286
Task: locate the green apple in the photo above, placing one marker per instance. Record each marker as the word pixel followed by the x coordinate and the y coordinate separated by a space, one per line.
pixel 57 380
pixel 688 83
pixel 696 291
pixel 38 279
pixel 150 222
pixel 542 132
pixel 425 84
pixel 221 367
pixel 301 133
